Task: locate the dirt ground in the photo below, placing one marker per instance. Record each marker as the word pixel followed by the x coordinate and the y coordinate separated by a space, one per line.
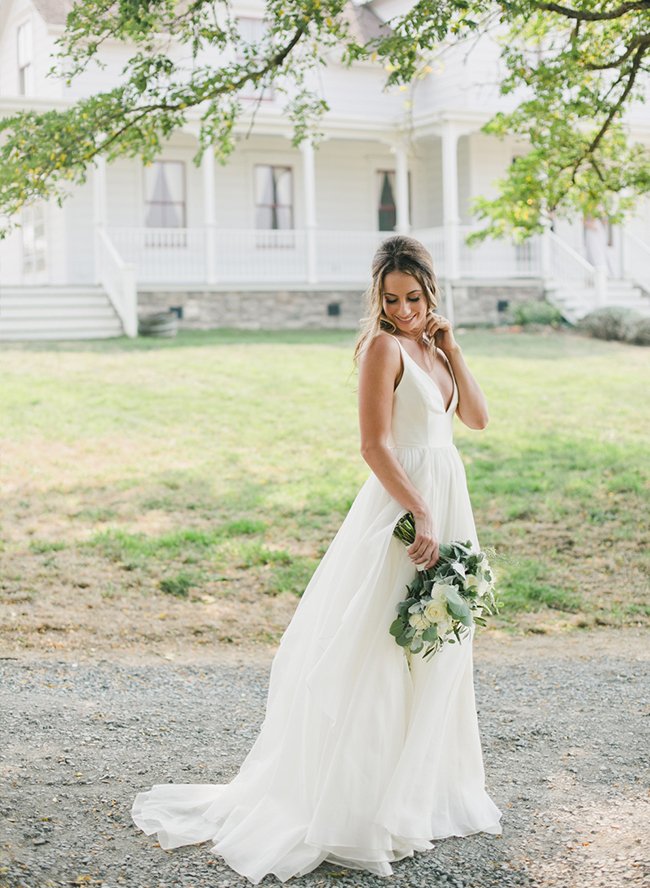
pixel 80 624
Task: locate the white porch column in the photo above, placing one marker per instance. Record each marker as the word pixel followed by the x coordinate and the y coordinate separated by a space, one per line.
pixel 545 253
pixel 450 215
pixel 99 209
pixel 309 188
pixel 402 223
pixel 209 215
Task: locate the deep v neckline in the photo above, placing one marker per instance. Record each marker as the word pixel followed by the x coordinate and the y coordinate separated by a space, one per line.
pixel 431 379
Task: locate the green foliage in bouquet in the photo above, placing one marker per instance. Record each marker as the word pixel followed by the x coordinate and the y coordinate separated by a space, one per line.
pixel 445 601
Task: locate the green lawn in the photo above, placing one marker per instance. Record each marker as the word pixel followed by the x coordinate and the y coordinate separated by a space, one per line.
pixel 226 460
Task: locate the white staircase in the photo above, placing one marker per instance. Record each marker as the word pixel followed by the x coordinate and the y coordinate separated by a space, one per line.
pixel 50 312
pixel 576 287
pixel 628 294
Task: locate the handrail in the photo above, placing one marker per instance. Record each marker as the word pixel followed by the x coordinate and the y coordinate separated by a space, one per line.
pixel 639 272
pixel 118 279
pixel 570 252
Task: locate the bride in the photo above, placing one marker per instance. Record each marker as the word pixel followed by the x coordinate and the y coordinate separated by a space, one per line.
pixel 362 760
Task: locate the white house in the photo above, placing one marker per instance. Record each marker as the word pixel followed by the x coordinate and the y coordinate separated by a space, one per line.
pixel 282 236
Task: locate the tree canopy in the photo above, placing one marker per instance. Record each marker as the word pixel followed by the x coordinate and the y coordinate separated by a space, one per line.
pixel 575 67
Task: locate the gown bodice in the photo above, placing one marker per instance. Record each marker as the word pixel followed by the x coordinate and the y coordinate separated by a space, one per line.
pixel 419 416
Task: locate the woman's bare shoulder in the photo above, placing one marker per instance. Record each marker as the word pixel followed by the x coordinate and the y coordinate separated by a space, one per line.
pixel 380 349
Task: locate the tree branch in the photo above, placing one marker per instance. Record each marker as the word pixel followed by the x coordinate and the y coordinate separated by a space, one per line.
pixel 634 70
pixel 641 40
pixel 589 151
pixel 274 62
pixel 582 15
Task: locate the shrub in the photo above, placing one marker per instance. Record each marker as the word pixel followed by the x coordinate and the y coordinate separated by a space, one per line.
pixel 637 331
pixel 537 312
pixel 610 322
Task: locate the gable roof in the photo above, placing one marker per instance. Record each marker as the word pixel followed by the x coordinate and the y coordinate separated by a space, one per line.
pixel 364 22
pixel 54 12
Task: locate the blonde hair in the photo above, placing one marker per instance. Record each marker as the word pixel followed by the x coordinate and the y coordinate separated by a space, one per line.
pixel 398 253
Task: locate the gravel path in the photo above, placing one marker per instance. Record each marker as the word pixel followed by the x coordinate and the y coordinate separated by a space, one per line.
pixel 565 739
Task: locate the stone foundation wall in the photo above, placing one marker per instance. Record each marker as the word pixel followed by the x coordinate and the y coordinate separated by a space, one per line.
pixel 492 303
pixel 255 309
pixel 205 309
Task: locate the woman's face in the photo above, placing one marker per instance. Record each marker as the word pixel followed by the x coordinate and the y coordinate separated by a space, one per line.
pixel 405 302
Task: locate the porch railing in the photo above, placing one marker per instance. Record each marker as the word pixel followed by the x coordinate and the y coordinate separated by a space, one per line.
pixel 636 258
pixel 498 258
pixel 178 256
pixel 118 278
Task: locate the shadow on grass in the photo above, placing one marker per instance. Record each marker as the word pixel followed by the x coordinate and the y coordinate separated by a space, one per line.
pixel 193 339
pixel 547 344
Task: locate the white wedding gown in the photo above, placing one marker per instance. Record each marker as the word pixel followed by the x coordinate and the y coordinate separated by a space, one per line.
pixel 359 761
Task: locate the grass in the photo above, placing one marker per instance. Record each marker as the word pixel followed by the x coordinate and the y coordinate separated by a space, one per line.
pixel 223 458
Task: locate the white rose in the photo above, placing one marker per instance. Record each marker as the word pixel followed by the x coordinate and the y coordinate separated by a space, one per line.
pixel 436 611
pixel 419 621
pixel 484 585
pixel 439 590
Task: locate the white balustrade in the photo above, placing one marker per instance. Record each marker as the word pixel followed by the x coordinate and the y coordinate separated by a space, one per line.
pixel 498 258
pixel 163 255
pixel 434 240
pixel 346 256
pixel 270 257
pixel 636 259
pixel 259 256
pixel 119 280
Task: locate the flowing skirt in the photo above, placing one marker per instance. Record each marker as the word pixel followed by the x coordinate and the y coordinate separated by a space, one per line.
pixel 359 761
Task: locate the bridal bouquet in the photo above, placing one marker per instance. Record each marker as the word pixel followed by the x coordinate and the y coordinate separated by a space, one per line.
pixel 444 601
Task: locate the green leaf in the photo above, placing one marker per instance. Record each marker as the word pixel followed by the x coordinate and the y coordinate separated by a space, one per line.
pixel 458 607
pixel 430 634
pixel 397 627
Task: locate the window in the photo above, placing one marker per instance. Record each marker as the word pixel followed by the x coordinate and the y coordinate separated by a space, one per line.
pixel 251 33
pixel 273 197
pixel 25 58
pixel 34 240
pixel 386 209
pixel 164 198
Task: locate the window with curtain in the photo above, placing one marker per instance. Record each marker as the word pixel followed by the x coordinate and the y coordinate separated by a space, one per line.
pixel 165 201
pixel 25 54
pixel 273 197
pixel 386 207
pixel 34 239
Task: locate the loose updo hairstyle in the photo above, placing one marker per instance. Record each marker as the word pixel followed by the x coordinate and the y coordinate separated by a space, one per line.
pixel 398 253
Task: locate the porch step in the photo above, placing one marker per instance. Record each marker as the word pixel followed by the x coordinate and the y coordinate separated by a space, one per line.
pixel 576 302
pixel 28 313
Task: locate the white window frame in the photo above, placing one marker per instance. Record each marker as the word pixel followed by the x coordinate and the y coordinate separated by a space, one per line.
pixel 34 242
pixel 168 240
pixel 265 94
pixel 25 58
pixel 381 171
pixel 282 238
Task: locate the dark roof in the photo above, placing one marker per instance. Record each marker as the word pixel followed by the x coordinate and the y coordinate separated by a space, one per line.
pixel 54 12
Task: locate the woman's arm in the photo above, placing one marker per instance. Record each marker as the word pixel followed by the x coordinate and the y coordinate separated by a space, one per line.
pixel 378 371
pixel 472 406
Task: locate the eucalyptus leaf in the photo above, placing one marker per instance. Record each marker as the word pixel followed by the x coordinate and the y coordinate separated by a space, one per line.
pixel 430 634
pixel 397 627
